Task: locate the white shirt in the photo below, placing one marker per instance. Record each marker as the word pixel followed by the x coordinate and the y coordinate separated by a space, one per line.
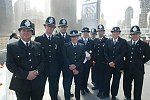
pixel 24 42
pixel 48 35
pixel 135 41
pixel 115 40
pixel 63 34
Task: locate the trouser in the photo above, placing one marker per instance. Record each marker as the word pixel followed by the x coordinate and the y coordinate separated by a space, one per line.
pixel 138 84
pixel 115 81
pixel 85 74
pixel 100 71
pixel 53 74
pixel 30 95
pixel 93 75
pixel 67 81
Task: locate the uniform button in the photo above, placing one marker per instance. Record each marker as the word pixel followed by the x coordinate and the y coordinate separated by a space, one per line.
pixel 113 56
pixel 49 51
pixel 97 54
pixel 49 45
pixel 75 53
pixel 18 56
pixel 114 47
pixel 15 76
pixel 75 60
pixel 130 61
pixel 29 59
pixel 98 47
pixel 29 53
pixel 49 61
pixel 97 50
pixel 75 56
pixel 49 56
pixel 131 56
pixel 31 67
pixel 132 48
pixel 131 52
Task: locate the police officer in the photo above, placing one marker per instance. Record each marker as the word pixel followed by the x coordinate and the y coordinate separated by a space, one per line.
pixel 52 50
pixel 100 60
pixel 64 38
pixel 93 33
pixel 114 52
pixel 137 55
pixel 74 55
pixel 93 36
pixel 25 60
pixel 89 45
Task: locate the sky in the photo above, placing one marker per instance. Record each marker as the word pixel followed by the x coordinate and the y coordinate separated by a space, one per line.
pixel 113 10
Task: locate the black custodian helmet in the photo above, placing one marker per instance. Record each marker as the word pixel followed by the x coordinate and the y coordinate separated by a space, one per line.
pixel 62 22
pixel 100 28
pixel 135 30
pixel 50 21
pixel 25 24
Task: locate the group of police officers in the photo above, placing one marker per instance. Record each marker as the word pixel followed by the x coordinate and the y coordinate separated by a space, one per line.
pixel 33 62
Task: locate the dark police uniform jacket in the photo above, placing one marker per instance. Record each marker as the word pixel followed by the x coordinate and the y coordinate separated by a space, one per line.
pixel 136 57
pixel 21 60
pixel 115 53
pixel 73 55
pixel 89 46
pixel 63 40
pixel 51 49
pixel 99 50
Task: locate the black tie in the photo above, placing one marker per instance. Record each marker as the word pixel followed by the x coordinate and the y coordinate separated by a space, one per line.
pixel 49 37
pixel 27 44
pixel 74 45
pixel 134 43
pixel 63 36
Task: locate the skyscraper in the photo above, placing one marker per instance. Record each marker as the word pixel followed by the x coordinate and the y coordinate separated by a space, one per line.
pixel 64 9
pixel 6 16
pixel 128 17
pixel 145 8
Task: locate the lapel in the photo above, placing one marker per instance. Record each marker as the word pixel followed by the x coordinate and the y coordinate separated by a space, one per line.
pixel 22 45
pixel 45 39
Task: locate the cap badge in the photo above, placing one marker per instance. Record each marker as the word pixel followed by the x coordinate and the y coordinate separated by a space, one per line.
pixel 63 21
pixel 51 20
pixel 134 29
pixel 27 23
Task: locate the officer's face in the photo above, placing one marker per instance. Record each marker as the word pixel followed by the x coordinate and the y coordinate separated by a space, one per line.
pixel 25 34
pixel 63 29
pixel 93 36
pixel 75 39
pixel 135 37
pixel 49 29
pixel 101 33
pixel 85 34
pixel 115 34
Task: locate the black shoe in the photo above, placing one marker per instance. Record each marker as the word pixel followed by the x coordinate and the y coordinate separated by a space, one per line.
pixel 94 88
pixel 82 92
pixel 99 94
pixel 127 98
pixel 71 95
pixel 87 90
pixel 113 98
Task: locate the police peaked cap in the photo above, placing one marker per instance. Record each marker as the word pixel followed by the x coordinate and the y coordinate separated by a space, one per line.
pixel 74 33
pixel 115 29
pixel 85 29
